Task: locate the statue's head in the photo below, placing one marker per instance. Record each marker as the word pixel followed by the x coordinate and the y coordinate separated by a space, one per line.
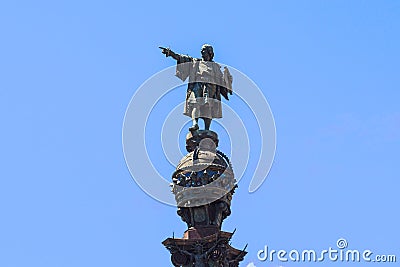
pixel 207 52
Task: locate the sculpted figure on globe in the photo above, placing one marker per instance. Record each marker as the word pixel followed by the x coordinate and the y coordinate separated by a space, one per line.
pixel 206 85
pixel 203 182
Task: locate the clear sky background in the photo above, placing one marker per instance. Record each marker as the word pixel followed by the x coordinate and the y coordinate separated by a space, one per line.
pixel 68 69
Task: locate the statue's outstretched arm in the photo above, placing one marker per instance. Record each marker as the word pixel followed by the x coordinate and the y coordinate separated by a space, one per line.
pixel 169 53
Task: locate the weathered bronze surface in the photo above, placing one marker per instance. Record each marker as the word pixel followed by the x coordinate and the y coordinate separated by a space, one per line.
pixel 213 250
pixel 203 182
pixel 206 85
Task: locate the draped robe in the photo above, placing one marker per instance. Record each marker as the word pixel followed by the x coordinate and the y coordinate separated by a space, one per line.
pixel 204 87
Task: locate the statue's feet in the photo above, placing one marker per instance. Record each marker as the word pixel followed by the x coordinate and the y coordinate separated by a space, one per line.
pixel 194 128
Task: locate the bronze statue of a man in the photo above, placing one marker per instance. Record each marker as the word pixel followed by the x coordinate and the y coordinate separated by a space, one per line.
pixel 206 85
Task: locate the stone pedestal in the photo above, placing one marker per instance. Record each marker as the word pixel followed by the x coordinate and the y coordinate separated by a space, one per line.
pixel 203 185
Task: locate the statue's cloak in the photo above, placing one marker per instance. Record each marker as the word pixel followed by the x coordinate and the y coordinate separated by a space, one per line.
pixel 206 84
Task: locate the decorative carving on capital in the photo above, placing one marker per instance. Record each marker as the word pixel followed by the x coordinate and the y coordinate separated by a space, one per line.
pixel 212 251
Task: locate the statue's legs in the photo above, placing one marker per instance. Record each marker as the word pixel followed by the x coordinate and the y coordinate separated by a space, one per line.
pixel 207 123
pixel 195 119
pixel 203 112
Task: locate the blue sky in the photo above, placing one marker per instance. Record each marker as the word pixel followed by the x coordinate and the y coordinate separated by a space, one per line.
pixel 330 73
